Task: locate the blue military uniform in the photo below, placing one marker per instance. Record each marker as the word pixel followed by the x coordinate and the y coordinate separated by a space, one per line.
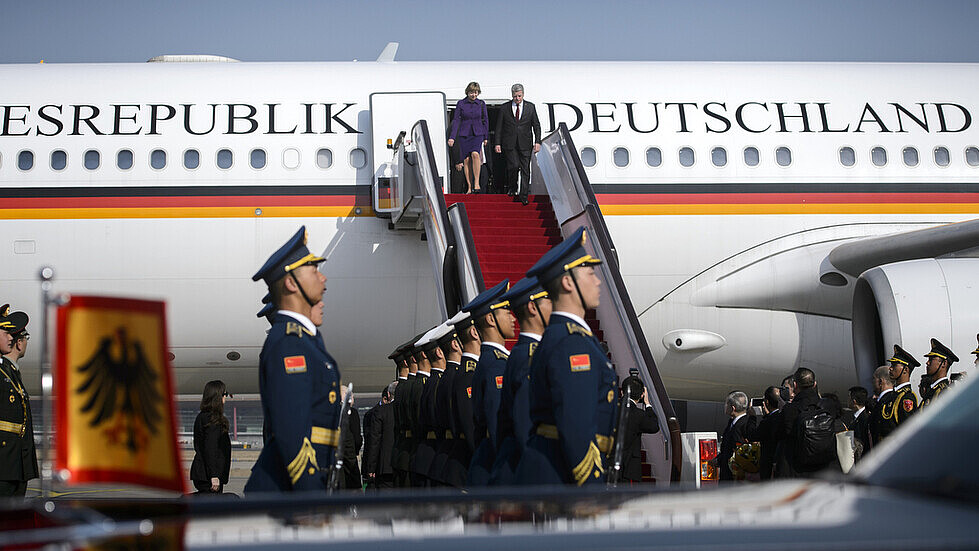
pixel 572 389
pixel 18 456
pixel 933 390
pixel 487 383
pixel 461 407
pixel 300 386
pixel 513 419
pixel 905 401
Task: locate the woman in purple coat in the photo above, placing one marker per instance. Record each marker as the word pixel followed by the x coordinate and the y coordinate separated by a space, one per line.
pixel 471 126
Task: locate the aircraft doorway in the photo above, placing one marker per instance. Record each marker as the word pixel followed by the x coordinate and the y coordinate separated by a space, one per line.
pixel 493 173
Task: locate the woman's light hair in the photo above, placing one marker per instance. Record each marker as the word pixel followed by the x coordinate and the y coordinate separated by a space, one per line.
pixel 473 87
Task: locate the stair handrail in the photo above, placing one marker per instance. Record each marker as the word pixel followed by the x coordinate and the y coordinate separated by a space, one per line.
pixel 575 205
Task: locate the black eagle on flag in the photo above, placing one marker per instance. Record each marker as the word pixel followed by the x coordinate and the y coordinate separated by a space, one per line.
pixel 119 379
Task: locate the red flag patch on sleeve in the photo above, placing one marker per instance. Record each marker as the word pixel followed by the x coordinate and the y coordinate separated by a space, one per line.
pixel 908 405
pixel 499 381
pixel 580 362
pixel 469 391
pixel 295 364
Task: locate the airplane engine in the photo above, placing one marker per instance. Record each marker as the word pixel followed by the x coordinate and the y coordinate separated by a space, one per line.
pixel 907 303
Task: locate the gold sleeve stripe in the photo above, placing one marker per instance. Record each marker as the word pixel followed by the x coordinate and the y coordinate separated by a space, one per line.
pixel 325 437
pixel 16 428
pixel 306 456
pixel 592 460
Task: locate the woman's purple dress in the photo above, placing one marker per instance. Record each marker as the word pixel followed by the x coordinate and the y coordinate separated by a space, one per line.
pixel 470 126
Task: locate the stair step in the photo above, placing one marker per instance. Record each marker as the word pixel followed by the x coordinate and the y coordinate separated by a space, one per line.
pixel 497 231
pixel 492 198
pixel 531 248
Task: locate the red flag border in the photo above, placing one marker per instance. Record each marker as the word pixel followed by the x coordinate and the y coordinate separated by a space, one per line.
pixel 61 381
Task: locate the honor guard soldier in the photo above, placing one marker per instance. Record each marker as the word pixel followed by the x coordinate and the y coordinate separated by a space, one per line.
pixel 905 401
pixel 494 322
pixel 443 424
pixel 402 447
pixel 883 420
pixel 18 457
pixel 572 384
pixel 298 379
pixel 434 361
pixel 457 466
pixel 940 359
pixel 532 307
pixel 421 460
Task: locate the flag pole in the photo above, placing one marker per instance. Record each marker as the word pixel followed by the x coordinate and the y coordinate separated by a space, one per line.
pixel 46 275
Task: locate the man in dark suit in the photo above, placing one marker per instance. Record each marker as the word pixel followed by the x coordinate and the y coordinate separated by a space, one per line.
pixel 859 400
pixel 380 441
pixel 640 419
pixel 762 429
pixel 736 407
pixel 352 443
pixel 517 136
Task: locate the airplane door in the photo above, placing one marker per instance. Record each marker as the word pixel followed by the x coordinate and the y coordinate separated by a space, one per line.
pixel 396 112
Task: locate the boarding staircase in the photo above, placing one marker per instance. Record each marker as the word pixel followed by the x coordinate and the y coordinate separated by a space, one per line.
pixel 476 241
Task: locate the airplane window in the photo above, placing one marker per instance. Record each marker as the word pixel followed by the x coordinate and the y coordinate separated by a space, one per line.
pixel 718 156
pixel 620 156
pixel 751 156
pixel 654 157
pixel 290 158
pixel 324 158
pixel 25 160
pixel 783 156
pixel 225 158
pixel 258 158
pixel 59 160
pixel 972 156
pixel 158 159
pixel 588 157
pixel 124 159
pixel 92 159
pixel 910 156
pixel 847 156
pixel 941 156
pixel 358 158
pixel 687 157
pixel 192 159
pixel 878 156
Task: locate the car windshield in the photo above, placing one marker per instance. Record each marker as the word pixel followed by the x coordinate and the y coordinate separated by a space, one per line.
pixel 935 454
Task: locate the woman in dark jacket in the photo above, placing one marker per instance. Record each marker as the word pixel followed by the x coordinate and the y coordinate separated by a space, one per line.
pixel 212 444
pixel 470 125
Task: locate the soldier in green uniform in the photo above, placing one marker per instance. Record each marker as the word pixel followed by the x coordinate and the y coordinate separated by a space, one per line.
pixel 905 401
pixel 18 457
pixel 940 359
pixel 882 419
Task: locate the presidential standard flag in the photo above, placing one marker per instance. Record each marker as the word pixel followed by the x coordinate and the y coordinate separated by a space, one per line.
pixel 114 394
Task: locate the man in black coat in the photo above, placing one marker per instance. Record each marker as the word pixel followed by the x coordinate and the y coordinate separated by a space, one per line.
pixel 859 401
pixel 805 397
pixel 352 442
pixel 380 442
pixel 762 429
pixel 517 137
pixel 640 418
pixel 736 407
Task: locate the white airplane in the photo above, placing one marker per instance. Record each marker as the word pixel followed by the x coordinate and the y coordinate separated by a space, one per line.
pixel 749 203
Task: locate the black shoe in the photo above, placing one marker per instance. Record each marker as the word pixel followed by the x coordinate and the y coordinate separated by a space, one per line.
pixel 523 199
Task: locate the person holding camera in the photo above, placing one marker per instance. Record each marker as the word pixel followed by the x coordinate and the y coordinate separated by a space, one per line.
pixel 640 418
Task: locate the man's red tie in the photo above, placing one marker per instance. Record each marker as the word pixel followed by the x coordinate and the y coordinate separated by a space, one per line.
pixel 517 114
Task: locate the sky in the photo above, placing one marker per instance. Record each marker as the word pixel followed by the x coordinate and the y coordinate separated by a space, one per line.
pixel 77 31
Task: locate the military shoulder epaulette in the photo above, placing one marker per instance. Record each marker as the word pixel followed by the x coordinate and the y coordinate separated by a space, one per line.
pixel 533 347
pixel 293 328
pixel 470 366
pixel 296 328
pixel 575 328
pixel 500 355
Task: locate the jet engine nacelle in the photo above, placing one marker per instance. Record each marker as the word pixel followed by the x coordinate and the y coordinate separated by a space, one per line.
pixel 908 303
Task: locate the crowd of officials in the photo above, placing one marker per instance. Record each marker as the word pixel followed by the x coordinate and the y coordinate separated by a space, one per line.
pixel 464 411
pixel 797 431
